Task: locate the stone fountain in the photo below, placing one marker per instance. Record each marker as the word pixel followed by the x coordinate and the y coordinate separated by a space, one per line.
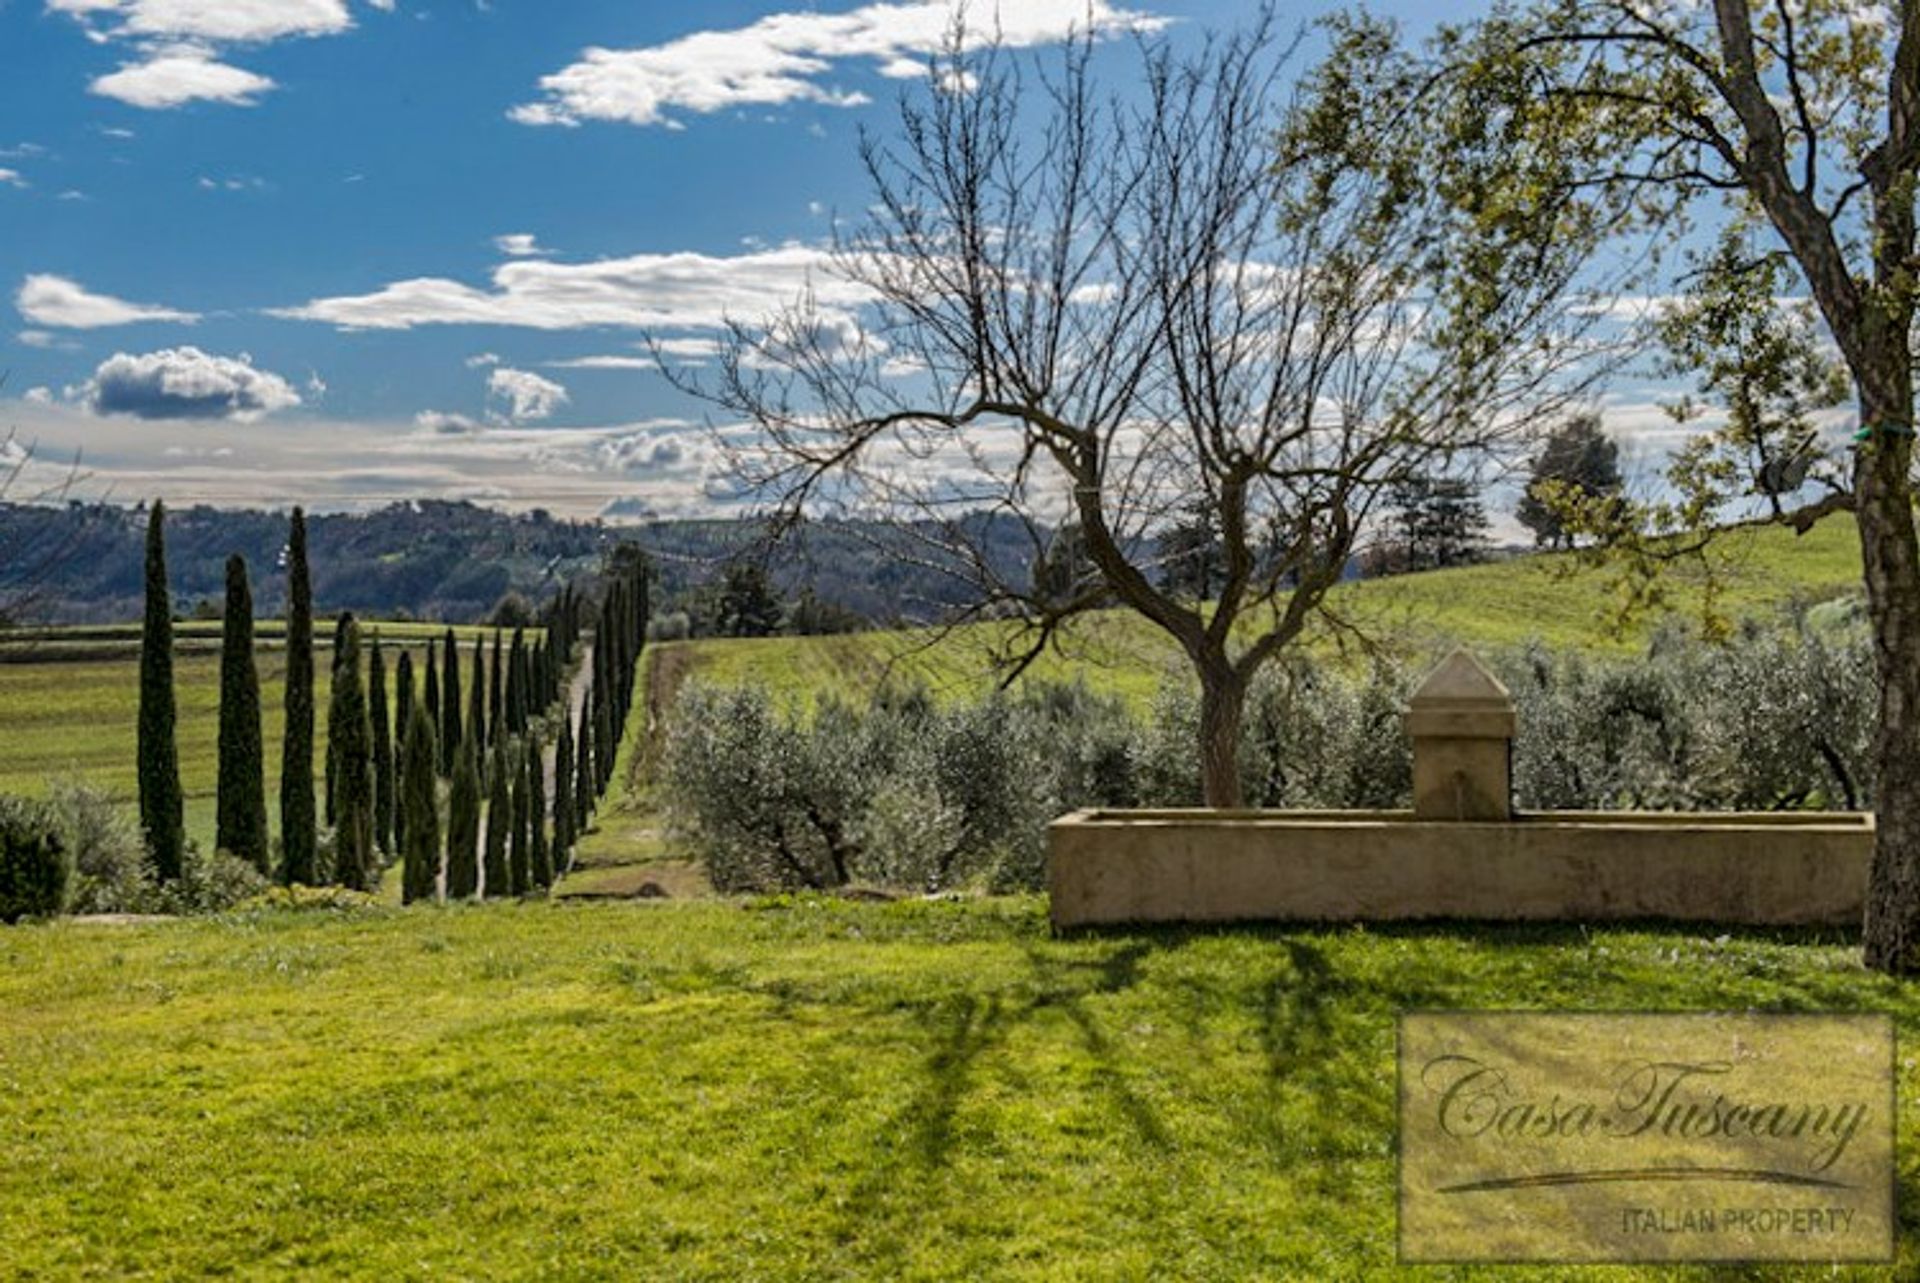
pixel 1462 852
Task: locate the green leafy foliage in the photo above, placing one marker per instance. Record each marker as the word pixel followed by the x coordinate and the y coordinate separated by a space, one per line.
pixel 36 868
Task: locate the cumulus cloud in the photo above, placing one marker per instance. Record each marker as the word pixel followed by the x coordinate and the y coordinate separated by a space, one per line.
pixel 238 21
pixel 55 301
pixel 11 178
pixel 480 360
pixel 785 57
pixel 526 395
pixel 186 383
pixel 178 74
pixel 519 245
pixel 645 291
pixel 178 44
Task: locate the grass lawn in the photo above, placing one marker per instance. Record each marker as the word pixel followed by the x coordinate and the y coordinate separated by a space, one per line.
pixel 782 1090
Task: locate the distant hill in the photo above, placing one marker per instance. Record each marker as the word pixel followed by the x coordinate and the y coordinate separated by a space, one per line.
pixel 452 561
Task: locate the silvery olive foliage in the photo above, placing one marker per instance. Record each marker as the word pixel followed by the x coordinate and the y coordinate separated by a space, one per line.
pixel 915 795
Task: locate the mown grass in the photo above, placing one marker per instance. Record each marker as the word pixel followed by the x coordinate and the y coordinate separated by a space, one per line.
pixel 786 1090
pixel 1543 598
pixel 78 719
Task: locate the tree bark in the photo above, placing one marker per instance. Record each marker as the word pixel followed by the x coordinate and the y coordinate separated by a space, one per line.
pixel 1223 694
pixel 1890 559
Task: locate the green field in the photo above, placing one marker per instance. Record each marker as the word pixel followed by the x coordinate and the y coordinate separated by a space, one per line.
pixel 77 718
pixel 1510 603
pixel 780 1090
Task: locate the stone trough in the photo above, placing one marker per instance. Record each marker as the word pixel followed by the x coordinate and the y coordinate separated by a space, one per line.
pixel 1462 852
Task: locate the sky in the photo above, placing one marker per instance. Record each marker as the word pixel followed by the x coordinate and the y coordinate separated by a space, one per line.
pixel 339 252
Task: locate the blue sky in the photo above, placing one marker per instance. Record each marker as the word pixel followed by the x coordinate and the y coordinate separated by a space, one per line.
pixel 340 251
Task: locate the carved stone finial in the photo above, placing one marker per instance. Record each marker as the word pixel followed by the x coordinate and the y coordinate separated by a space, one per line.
pixel 1461 721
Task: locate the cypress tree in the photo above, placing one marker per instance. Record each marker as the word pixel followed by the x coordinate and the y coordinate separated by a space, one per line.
pixel 340 627
pixel 537 814
pixel 520 855
pixel 240 824
pixel 497 697
pixel 517 684
pixel 382 726
pixel 297 848
pixel 499 826
pixel 402 718
pixel 449 706
pixel 350 735
pixel 477 703
pixel 433 693
pixel 421 846
pixel 463 827
pixel 606 744
pixel 563 795
pixel 583 774
pixel 162 809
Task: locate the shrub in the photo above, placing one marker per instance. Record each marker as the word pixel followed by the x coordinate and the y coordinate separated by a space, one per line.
pixel 903 793
pixel 109 860
pixel 207 884
pixel 36 869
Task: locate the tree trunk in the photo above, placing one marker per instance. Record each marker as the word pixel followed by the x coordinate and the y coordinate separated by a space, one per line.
pixel 1223 695
pixel 1890 561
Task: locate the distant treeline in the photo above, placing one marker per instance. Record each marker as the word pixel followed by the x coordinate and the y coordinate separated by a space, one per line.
pixel 461 563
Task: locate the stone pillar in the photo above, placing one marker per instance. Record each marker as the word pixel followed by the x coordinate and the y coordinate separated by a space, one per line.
pixel 1461 722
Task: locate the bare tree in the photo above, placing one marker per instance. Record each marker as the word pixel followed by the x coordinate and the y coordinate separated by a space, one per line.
pixel 1089 312
pixel 31 553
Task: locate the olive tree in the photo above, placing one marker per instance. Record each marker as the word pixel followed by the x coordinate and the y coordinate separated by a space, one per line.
pixel 1085 312
pixel 1796 123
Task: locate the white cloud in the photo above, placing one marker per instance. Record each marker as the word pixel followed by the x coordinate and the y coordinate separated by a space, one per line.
pixel 519 245
pixel 603 363
pixel 40 395
pixel 11 178
pixel 480 360
pixel 784 57
pixel 237 21
pixel 60 303
pixel 384 6
pixel 445 423
pixel 660 291
pixel 178 74
pixel 527 395
pixel 186 383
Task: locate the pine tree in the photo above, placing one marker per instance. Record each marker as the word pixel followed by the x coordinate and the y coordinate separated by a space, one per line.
pixel 449 706
pixel 240 824
pixel 350 737
pixel 421 846
pixel 499 826
pixel 521 852
pixel 402 719
pixel 463 827
pixel 162 809
pixel 340 627
pixel 477 704
pixel 537 814
pixel 563 795
pixel 382 726
pixel 298 852
pixel 433 694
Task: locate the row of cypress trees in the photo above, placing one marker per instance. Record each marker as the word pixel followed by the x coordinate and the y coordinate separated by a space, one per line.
pixel 381 797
